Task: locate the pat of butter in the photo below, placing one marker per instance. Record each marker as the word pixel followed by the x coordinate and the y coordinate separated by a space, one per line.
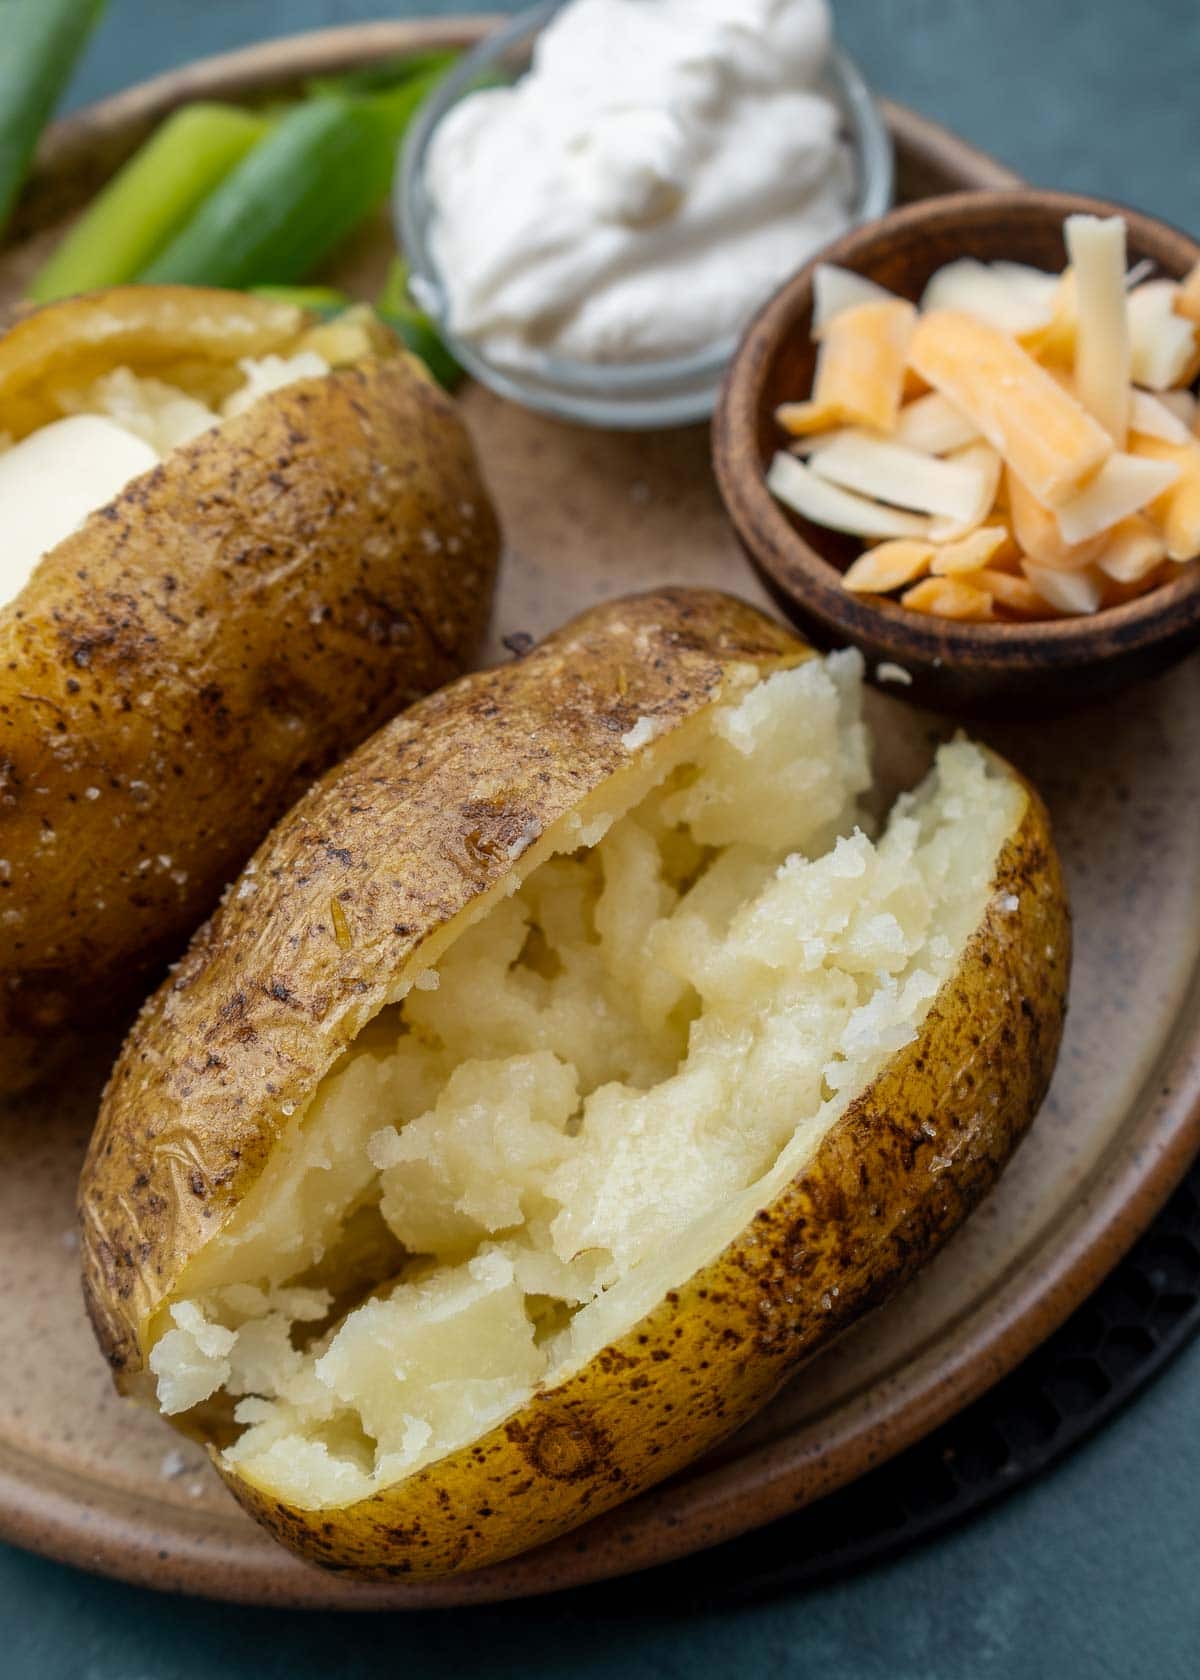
pixel 52 480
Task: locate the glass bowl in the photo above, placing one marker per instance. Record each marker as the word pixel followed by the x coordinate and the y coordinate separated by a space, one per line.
pixel 633 395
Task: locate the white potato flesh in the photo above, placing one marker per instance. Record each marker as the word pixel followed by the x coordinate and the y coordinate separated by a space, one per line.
pixel 114 430
pixel 601 1080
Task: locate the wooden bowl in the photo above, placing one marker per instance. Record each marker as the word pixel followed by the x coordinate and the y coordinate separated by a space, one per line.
pixel 974 669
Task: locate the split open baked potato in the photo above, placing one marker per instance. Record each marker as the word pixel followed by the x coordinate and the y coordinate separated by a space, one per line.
pixel 566 1068
pixel 292 541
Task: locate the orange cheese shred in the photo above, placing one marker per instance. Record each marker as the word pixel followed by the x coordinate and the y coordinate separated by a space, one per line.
pixel 1187 298
pixel 1036 530
pixel 972 552
pixel 1177 510
pixel 947 597
pixel 1050 441
pixel 861 361
pixel 888 566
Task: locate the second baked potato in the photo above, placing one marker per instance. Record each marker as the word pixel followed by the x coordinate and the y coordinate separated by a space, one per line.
pixel 566 1068
pixel 286 540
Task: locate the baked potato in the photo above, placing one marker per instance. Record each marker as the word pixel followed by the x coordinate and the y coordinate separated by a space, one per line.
pixel 567 1067
pixel 286 541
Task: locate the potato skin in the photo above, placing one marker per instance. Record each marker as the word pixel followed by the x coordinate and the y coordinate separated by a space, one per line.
pixel 266 994
pixel 388 848
pixel 179 670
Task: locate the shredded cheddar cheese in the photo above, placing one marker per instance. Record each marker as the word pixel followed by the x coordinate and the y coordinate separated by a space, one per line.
pixel 904 477
pixel 932 424
pixel 889 566
pixel 1102 352
pixel 1132 550
pixel 1039 430
pixel 860 365
pixel 971 553
pixel 947 597
pixel 1163 343
pixel 1023 446
pixel 839 510
pixel 837 289
pixel 1177 509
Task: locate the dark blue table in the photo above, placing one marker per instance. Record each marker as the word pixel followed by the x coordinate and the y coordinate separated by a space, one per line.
pixel 1093 1573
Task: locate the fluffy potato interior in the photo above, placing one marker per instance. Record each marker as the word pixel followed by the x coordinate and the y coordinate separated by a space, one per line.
pixel 165 414
pixel 587 1094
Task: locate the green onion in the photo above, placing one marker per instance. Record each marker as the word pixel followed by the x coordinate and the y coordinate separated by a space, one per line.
pixel 150 199
pixel 419 335
pixel 289 203
pixel 414 327
pixel 319 173
pixel 318 300
pixel 40 41
pixel 397 106
pixel 390 73
pixel 395 295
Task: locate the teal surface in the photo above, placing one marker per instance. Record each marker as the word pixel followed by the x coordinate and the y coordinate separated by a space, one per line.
pixel 1089 1574
pixel 1093 1573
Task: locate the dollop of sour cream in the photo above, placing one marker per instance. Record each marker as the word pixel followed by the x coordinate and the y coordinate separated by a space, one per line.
pixel 51 481
pixel 661 168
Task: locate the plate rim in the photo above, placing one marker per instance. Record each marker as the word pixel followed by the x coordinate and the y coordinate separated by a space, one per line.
pixel 121 1536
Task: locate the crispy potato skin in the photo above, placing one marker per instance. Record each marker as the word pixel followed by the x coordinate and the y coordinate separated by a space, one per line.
pixel 267 995
pixel 389 847
pixel 179 670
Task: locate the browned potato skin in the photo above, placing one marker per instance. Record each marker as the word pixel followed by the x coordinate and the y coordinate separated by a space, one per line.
pixel 402 836
pixel 179 670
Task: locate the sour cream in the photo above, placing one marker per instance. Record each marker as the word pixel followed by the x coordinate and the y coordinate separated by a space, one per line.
pixel 661 168
pixel 52 480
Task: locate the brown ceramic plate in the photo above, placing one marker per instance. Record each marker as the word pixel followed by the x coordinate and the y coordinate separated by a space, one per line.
pixel 101 1485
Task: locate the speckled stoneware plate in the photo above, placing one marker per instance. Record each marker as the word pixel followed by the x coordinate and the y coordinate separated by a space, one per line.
pixel 95 1482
